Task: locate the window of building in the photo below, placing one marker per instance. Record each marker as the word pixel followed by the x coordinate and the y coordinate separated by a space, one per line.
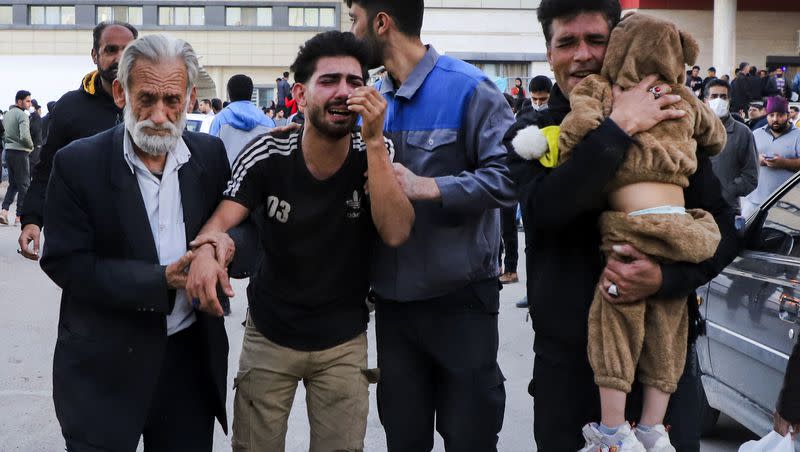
pixel 263 96
pixel 312 17
pixel 52 15
pixel 181 15
pixel 129 14
pixel 5 15
pixel 248 17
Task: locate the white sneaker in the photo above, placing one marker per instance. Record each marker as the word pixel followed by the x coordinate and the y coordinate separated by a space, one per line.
pixel 655 440
pixel 623 441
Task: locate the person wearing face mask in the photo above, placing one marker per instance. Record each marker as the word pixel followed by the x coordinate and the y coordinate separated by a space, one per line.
pixel 539 88
pixel 778 145
pixel 737 165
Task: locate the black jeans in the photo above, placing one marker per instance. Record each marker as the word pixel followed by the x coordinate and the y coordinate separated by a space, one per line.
pixel 438 360
pixel 19 178
pixel 509 244
pixel 181 416
pixel 566 398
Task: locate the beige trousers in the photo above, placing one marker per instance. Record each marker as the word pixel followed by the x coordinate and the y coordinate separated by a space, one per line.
pixel 337 394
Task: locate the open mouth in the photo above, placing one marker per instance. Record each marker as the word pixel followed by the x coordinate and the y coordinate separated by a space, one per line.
pixel 339 113
pixel 582 74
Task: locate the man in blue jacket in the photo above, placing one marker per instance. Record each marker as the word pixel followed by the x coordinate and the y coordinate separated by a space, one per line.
pixel 437 295
pixel 241 121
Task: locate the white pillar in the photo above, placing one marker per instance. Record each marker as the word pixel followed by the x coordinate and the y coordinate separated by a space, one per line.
pixel 725 37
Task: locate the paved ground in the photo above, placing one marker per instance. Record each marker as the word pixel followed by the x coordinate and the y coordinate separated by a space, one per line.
pixel 29 307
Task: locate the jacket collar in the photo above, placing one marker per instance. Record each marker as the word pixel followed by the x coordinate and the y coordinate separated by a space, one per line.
pixel 729 123
pixel 130 204
pixel 415 79
pixel 558 105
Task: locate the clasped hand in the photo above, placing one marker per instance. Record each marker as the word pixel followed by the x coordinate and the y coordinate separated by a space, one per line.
pixel 202 269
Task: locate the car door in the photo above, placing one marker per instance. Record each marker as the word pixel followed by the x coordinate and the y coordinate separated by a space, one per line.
pixel 752 311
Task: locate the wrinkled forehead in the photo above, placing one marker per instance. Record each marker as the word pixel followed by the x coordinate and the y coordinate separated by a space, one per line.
pixel 164 77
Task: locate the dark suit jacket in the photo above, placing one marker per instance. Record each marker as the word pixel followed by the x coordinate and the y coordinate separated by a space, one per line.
pixel 100 250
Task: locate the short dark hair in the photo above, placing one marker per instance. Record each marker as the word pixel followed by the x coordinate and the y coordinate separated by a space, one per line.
pixel 329 44
pixel 286 75
pixel 510 99
pixel 97 33
pixel 712 69
pixel 216 104
pixel 795 108
pixel 21 95
pixel 696 67
pixel 240 87
pixel 716 82
pixel 540 83
pixel 549 10
pixel 406 14
pixel 206 101
pixel 50 105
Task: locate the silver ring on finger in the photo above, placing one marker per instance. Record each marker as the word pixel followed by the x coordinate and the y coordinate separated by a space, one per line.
pixel 613 290
pixel 656 91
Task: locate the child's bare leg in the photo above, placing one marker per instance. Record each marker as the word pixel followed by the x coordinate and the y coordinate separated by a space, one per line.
pixel 654 406
pixel 612 406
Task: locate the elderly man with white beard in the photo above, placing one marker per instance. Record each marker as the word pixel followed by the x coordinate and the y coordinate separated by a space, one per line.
pixel 134 357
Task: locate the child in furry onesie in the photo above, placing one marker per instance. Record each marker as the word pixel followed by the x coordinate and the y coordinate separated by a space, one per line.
pixel 647 211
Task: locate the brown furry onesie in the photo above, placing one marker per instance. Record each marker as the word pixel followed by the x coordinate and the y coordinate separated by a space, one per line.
pixel 650 334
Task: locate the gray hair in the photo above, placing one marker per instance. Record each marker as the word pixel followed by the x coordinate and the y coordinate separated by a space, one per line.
pixel 157 49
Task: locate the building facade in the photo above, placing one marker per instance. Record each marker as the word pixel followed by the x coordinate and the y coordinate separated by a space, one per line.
pixel 40 39
pixel 764 33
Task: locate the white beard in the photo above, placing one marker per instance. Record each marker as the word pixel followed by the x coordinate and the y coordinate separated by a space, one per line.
pixel 153 144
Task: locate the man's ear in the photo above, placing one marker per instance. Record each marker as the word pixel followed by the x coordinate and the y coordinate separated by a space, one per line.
pixel 381 23
pixel 192 99
pixel 119 94
pixel 94 56
pixel 299 94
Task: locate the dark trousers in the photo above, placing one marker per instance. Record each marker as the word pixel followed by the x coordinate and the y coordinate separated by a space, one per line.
pixel 566 398
pixel 181 415
pixel 438 362
pixel 509 244
pixel 19 178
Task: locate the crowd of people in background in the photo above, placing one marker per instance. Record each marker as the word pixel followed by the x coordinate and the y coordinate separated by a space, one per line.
pixel 302 160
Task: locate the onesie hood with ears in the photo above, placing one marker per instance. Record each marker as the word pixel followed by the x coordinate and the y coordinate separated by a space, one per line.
pixel 642 45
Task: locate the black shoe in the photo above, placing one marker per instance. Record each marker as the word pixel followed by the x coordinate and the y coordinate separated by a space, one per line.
pixel 523 303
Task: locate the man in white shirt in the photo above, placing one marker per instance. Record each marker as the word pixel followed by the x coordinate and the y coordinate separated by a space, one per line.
pixel 134 356
pixel 778 146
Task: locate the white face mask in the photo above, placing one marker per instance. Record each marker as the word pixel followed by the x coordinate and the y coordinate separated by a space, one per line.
pixel 720 107
pixel 539 107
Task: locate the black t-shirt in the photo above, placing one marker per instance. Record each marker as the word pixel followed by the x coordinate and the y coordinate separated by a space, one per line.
pixel 317 236
pixel 694 83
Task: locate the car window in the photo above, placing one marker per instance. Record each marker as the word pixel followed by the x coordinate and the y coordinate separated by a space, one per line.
pixel 193 125
pixel 780 233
